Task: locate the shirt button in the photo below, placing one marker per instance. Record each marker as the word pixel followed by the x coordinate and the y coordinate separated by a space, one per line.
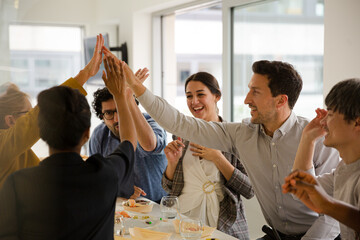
pixel 274 166
pixel 279 207
pixel 276 187
pixel 273 143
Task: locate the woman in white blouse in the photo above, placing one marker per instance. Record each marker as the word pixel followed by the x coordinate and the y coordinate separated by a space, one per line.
pixel 209 183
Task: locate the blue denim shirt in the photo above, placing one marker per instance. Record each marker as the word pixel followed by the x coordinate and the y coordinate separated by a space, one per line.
pixel 148 167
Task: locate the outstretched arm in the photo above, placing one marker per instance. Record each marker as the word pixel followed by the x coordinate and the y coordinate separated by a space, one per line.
pixel 145 134
pixel 309 191
pixel 305 152
pixel 117 89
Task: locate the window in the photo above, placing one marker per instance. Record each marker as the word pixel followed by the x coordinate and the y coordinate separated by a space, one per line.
pixel 192 42
pixel 48 56
pixel 42 57
pixel 284 30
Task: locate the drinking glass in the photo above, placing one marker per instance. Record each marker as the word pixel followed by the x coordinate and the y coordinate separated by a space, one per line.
pixel 119 229
pixel 169 207
pixel 190 228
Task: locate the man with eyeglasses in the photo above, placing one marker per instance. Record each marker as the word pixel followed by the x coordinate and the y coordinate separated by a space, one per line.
pixel 150 160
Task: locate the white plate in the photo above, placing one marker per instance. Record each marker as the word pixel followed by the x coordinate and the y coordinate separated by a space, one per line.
pixel 141 223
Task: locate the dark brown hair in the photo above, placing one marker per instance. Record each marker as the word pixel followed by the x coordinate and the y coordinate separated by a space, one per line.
pixel 283 79
pixel 207 79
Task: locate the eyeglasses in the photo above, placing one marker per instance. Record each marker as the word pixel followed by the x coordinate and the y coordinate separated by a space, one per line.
pixel 109 114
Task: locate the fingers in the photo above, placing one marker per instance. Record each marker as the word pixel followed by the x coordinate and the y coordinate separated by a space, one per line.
pixel 173 147
pixel 104 77
pixel 137 72
pixel 320 113
pixel 197 146
pixel 106 65
pixel 122 71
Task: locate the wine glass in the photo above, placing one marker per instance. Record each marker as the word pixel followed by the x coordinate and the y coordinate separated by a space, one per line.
pixel 169 207
pixel 190 228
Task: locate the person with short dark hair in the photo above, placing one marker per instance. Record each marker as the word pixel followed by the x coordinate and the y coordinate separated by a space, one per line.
pixel 66 197
pixel 150 160
pixel 266 144
pixel 18 120
pixel 340 124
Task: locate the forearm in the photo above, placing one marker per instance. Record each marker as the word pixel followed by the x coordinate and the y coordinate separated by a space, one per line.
pixel 138 88
pixel 304 155
pixel 127 127
pixel 224 166
pixel 169 172
pixel 239 184
pixel 344 213
pixel 190 128
pixel 145 134
pixel 82 76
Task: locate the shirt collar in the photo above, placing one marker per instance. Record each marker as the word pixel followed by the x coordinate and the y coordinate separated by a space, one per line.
pixel 288 124
pixel 285 127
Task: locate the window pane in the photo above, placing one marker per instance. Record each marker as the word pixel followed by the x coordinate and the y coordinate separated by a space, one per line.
pixel 50 55
pixel 284 30
pixel 192 43
pixel 42 57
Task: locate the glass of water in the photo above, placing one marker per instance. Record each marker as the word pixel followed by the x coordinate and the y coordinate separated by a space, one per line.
pixel 119 229
pixel 190 228
pixel 169 207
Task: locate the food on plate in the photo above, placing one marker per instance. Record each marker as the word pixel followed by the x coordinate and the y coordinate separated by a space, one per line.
pixel 141 217
pixel 142 206
pixel 124 214
pixel 206 231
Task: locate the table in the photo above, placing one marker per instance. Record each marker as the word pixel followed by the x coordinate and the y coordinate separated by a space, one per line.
pixel 168 226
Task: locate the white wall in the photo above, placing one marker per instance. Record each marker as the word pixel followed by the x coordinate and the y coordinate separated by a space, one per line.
pixel 342 41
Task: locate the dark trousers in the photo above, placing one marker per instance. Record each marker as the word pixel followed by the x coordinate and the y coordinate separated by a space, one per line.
pixel 270 235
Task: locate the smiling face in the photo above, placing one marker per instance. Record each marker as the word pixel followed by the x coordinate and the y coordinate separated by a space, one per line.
pixel 339 131
pixel 201 102
pixel 260 100
pixel 112 124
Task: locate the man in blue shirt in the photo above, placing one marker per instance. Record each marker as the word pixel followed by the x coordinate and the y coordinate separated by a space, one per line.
pixel 150 160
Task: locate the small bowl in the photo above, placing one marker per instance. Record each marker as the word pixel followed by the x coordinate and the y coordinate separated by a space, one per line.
pixel 140 207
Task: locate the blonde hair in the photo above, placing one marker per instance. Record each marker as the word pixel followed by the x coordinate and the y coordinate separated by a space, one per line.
pixel 11 100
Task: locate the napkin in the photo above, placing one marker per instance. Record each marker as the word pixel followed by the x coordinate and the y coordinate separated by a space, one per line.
pixel 207 231
pixel 141 233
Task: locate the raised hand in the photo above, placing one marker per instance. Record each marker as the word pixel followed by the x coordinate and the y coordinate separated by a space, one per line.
pixel 109 54
pixel 113 77
pixel 133 82
pixel 314 129
pixel 205 153
pixel 94 65
pixel 142 74
pixel 173 152
pixel 305 187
